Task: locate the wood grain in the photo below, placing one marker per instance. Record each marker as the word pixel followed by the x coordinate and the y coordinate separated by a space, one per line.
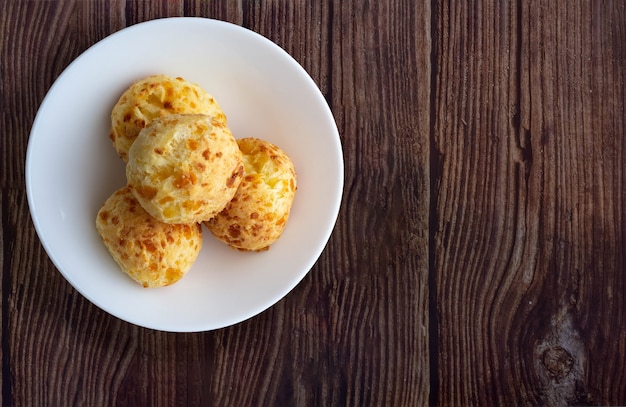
pixel 479 253
pixel 353 332
pixel 477 211
pixel 384 122
pixel 530 239
pixel 583 221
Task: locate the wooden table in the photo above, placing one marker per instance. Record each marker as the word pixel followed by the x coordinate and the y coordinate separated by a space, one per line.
pixel 479 256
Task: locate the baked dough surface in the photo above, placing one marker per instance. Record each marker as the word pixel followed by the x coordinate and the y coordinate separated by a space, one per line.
pixel 256 216
pixel 153 97
pixel 184 168
pixel 152 253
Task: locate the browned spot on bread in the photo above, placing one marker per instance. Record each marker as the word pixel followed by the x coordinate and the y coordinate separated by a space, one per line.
pixel 237 173
pixel 146 192
pixel 192 144
pixel 147 244
pixel 192 205
pixel 172 274
pixel 104 215
pixel 234 230
pixel 184 179
pixel 166 199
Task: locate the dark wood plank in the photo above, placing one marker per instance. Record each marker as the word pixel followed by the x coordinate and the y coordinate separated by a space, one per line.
pixel 477 196
pixel 5 360
pixel 498 169
pixel 355 331
pixel 143 10
pixel 529 249
pixel 383 117
pixel 31 60
pixel 575 119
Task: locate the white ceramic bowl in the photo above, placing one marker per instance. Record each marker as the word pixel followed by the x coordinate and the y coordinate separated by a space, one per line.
pixel 72 168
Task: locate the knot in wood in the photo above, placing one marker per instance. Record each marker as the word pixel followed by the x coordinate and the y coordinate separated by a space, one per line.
pixel 557 361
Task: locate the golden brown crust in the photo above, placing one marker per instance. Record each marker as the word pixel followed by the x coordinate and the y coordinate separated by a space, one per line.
pixel 256 216
pixel 152 253
pixel 184 168
pixel 157 96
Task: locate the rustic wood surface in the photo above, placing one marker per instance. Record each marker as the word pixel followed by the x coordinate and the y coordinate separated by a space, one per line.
pixel 479 257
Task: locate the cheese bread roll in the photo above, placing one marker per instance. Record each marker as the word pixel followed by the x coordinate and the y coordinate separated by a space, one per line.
pixel 152 253
pixel 256 216
pixel 157 96
pixel 183 169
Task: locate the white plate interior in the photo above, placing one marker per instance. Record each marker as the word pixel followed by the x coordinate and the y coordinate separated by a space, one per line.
pixel 72 168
